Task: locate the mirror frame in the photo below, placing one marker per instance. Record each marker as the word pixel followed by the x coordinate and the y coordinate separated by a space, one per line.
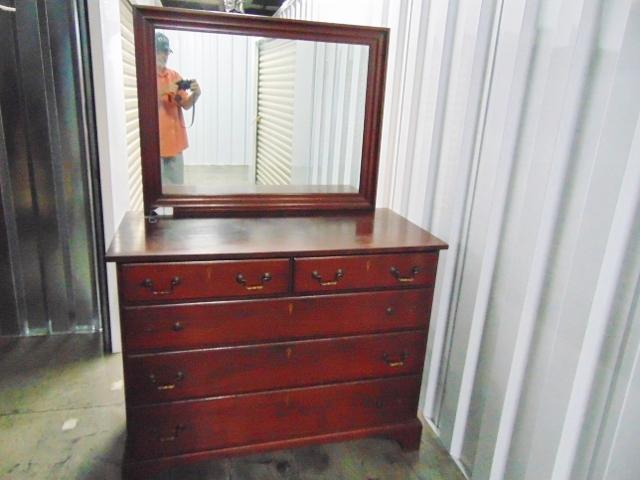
pixel 147 19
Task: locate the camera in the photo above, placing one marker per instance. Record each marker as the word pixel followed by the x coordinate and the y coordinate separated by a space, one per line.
pixel 184 84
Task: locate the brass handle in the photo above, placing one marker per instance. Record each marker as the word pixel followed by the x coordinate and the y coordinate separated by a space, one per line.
pixel 396 273
pixel 177 327
pixel 390 310
pixel 166 386
pixel 266 277
pixel 148 283
pixel 397 363
pixel 172 438
pixel 337 277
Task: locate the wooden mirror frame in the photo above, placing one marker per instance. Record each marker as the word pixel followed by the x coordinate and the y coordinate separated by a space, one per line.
pixel 147 19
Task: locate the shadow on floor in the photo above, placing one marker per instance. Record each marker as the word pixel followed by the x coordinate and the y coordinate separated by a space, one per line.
pixel 23 356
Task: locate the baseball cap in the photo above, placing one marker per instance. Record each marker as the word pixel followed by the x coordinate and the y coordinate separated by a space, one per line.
pixel 162 43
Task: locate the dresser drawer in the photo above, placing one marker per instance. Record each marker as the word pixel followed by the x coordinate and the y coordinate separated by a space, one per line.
pixel 160 282
pixel 184 326
pixel 325 274
pixel 182 427
pixel 221 371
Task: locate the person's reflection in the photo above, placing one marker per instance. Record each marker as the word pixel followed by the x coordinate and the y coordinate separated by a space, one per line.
pixel 172 98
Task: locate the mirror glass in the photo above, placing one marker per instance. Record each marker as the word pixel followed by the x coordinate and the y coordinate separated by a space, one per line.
pixel 247 114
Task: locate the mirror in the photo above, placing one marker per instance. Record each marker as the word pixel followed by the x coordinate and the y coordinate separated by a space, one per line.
pixel 257 115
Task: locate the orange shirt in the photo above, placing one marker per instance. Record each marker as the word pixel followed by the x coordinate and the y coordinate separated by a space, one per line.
pixel 173 134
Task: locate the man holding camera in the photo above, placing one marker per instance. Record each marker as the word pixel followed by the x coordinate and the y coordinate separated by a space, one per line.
pixel 172 99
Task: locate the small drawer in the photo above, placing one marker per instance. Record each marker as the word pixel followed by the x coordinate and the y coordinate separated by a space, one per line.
pixel 325 274
pixel 223 371
pixel 162 282
pixel 183 427
pixel 197 325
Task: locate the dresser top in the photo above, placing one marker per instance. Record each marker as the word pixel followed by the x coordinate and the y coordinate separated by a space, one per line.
pixel 182 239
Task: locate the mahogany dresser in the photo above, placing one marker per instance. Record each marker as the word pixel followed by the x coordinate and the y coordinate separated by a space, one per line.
pixel 250 334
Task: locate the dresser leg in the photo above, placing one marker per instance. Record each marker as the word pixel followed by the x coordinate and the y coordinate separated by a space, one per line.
pixel 130 472
pixel 408 436
pixel 144 471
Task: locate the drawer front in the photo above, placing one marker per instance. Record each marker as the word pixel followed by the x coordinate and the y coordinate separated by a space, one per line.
pixel 326 274
pixel 182 427
pixel 174 327
pixel 161 282
pixel 229 370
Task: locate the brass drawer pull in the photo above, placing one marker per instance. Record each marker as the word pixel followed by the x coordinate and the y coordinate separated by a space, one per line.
pixel 337 277
pixel 166 386
pixel 390 310
pixel 396 273
pixel 172 438
pixel 266 277
pixel 397 363
pixel 148 283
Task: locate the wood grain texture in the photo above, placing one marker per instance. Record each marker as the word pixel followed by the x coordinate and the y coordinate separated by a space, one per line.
pixel 328 274
pixel 172 376
pixel 165 282
pixel 166 239
pixel 172 428
pixel 197 325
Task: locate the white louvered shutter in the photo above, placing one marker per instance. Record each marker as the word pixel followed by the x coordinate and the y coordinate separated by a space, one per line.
pixel 131 106
pixel 276 89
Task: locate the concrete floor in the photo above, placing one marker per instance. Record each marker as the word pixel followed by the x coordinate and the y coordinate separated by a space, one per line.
pixel 216 175
pixel 62 417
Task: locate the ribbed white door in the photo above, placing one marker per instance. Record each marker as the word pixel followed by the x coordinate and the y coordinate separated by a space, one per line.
pixel 131 106
pixel 276 92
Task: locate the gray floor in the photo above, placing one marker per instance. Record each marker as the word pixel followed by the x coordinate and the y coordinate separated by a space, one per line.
pixel 216 175
pixel 62 417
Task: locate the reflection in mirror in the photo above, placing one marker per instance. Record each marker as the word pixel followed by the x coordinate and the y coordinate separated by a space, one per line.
pixel 242 114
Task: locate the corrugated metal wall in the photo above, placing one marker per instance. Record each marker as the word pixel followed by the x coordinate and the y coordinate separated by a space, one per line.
pixel 132 124
pixel 276 95
pixel 49 267
pixel 512 130
pixel 308 93
pixel 338 77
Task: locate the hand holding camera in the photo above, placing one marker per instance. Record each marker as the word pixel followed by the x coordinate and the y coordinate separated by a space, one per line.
pixel 184 84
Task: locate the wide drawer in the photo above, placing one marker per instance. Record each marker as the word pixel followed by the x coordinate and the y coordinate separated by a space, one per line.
pixel 160 282
pixel 175 327
pixel 182 427
pixel 325 274
pixel 221 371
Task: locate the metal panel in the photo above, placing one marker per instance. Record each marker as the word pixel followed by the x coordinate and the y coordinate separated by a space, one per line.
pixel 131 106
pixel 75 213
pixel 46 158
pixel 27 279
pixel 12 303
pixel 46 193
pixel 276 92
pixel 8 243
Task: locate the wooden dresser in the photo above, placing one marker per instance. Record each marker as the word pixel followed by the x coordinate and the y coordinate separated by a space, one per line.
pixel 250 334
